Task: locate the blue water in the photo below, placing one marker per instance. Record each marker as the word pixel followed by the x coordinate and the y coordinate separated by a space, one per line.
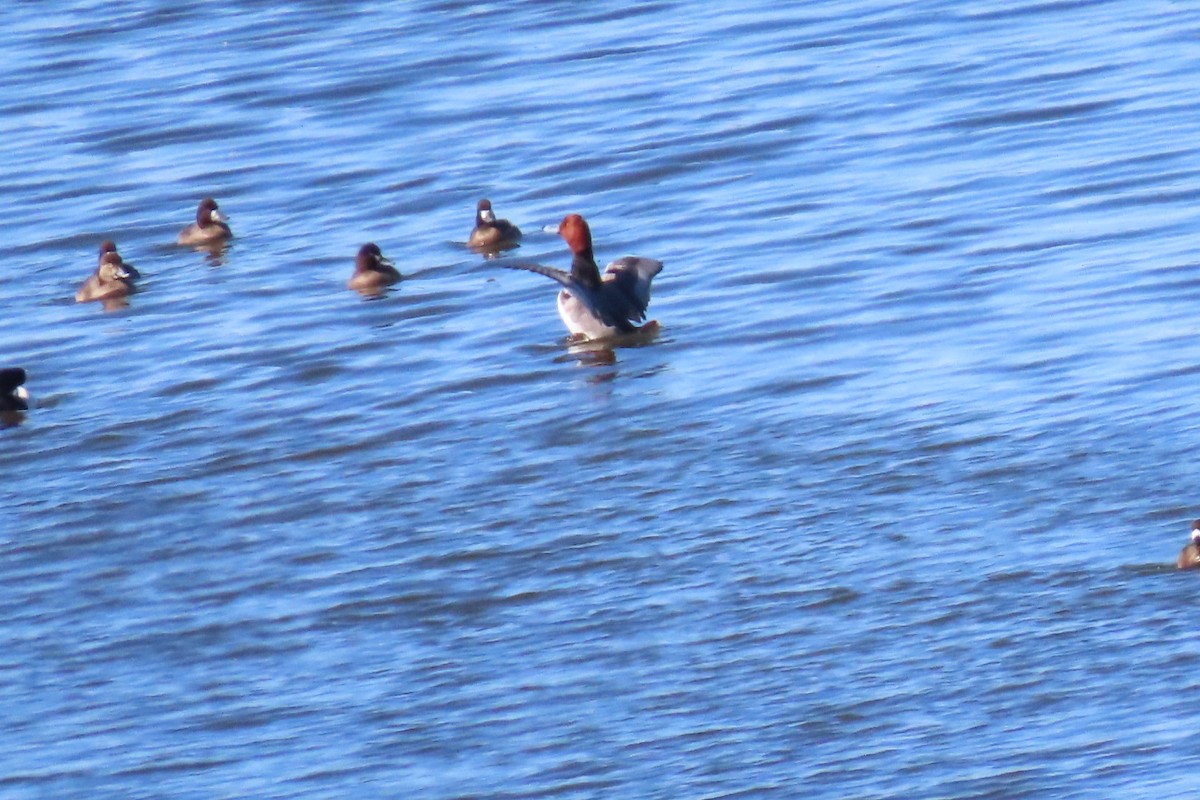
pixel 888 509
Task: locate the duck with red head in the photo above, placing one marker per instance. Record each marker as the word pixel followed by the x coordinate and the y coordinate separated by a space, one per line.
pixel 1189 556
pixel 490 233
pixel 595 306
pixel 209 229
pixel 372 272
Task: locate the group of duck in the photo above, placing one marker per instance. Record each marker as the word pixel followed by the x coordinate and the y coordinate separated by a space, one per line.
pixel 113 278
pixel 592 305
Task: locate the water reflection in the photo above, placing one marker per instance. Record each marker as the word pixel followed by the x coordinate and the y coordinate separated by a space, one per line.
pixel 603 352
pixel 214 252
pixel 599 357
pixel 495 251
pixel 375 292
pixel 590 354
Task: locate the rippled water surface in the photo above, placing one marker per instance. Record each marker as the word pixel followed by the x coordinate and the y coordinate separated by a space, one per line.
pixel 888 509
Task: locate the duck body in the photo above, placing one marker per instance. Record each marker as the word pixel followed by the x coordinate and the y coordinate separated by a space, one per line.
pixel 372 272
pixel 613 306
pixel 110 281
pixel 592 305
pixel 209 228
pixel 1189 557
pixel 490 232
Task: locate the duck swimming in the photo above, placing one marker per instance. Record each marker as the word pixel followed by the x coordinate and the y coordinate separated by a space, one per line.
pixel 13 396
pixel 1189 556
pixel 109 246
pixel 209 229
pixel 594 306
pixel 490 232
pixel 110 281
pixel 372 271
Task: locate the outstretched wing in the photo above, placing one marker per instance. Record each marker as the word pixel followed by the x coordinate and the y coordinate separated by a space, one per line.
pixel 553 273
pixel 627 283
pixel 570 284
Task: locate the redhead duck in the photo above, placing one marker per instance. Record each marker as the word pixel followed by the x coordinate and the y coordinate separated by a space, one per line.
pixel 110 281
pixel 13 396
pixel 372 271
pixel 108 246
pixel 1189 556
pixel 595 307
pixel 209 229
pixel 489 232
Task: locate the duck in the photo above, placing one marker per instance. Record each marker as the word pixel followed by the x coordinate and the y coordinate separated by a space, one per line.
pixel 109 246
pixel 110 281
pixel 13 396
pixel 489 232
pixel 594 306
pixel 209 229
pixel 1189 556
pixel 372 271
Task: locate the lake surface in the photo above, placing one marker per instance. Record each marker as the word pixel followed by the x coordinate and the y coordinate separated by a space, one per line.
pixel 888 509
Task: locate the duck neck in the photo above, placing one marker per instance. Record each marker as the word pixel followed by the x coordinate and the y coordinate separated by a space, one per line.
pixel 584 269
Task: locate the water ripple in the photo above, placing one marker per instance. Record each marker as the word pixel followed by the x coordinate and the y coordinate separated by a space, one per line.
pixel 900 482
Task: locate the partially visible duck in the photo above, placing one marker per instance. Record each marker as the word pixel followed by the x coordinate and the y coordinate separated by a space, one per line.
pixel 110 281
pixel 372 271
pixel 595 307
pixel 108 246
pixel 1189 556
pixel 489 232
pixel 208 229
pixel 13 396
